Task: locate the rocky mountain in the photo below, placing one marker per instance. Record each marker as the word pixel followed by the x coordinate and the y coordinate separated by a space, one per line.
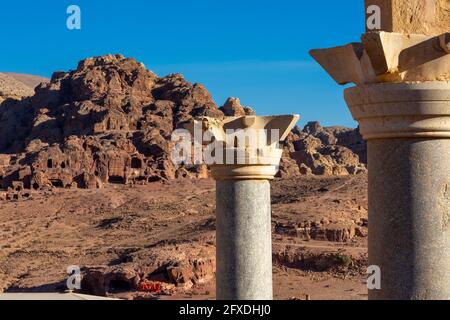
pixel 318 150
pixel 111 120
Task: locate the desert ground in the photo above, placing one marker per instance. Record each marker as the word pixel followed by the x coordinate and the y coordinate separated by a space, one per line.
pixel 87 180
pixel 164 232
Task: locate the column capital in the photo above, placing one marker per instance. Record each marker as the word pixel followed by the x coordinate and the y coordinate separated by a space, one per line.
pixel 245 147
pixel 401 110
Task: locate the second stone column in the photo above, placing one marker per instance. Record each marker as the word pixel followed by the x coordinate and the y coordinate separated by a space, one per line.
pixel 245 156
pixel 244 241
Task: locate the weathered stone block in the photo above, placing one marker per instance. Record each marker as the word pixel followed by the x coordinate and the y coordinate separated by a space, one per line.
pixel 397 57
pixel 429 17
pixel 346 64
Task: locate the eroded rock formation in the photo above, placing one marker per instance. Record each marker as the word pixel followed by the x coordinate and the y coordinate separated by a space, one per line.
pixel 111 121
pixel 173 276
pixel 323 151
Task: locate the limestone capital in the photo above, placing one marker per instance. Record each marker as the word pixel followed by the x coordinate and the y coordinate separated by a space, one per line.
pixel 386 57
pixel 243 147
pixel 401 110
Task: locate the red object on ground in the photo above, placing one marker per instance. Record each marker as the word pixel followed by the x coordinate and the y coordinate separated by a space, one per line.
pixel 147 286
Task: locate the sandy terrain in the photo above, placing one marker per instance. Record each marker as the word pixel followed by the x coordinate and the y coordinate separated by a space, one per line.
pixel 144 226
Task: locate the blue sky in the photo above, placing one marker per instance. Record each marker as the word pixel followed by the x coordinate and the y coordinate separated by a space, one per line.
pixel 256 50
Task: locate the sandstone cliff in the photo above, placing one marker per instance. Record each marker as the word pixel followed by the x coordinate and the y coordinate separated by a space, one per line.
pixel 111 120
pixel 318 150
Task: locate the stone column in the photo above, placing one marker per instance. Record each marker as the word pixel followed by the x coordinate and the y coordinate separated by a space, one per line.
pixel 244 234
pixel 246 157
pixel 401 69
pixel 407 127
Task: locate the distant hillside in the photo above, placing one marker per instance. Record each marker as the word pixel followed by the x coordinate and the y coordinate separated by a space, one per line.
pixel 12 88
pixel 28 79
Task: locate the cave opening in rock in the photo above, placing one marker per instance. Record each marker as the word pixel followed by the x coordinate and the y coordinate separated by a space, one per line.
pixel 136 163
pixel 116 285
pixel 154 179
pixel 57 183
pixel 116 180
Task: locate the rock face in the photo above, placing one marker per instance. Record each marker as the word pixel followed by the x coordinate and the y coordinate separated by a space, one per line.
pixel 111 121
pixel 233 108
pixel 323 231
pixel 323 151
pixel 171 276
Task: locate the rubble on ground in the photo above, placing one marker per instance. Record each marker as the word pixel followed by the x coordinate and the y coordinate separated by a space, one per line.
pixel 171 277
